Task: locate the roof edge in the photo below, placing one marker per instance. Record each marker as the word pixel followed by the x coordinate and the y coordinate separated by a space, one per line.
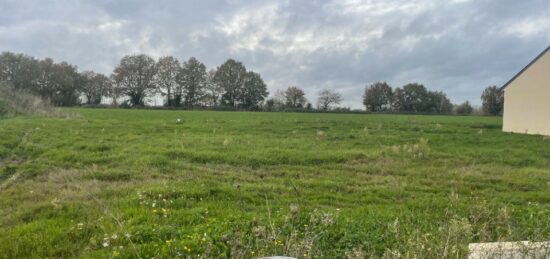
pixel 525 68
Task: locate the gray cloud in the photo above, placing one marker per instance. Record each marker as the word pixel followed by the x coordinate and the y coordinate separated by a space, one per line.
pixel 458 46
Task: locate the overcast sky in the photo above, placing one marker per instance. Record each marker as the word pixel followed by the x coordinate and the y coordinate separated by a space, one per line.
pixel 458 46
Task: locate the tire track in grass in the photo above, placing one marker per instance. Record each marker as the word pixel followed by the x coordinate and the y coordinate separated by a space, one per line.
pixel 9 165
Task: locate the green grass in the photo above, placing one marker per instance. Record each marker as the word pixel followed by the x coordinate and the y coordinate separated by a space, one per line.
pixel 134 183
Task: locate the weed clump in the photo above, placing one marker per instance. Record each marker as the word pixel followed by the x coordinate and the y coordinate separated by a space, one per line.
pixel 320 133
pixel 416 150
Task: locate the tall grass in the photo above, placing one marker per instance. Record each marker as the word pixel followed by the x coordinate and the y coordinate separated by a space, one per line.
pixel 16 102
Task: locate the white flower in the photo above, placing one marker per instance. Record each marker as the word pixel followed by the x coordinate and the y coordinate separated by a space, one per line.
pixel 114 236
pixel 105 243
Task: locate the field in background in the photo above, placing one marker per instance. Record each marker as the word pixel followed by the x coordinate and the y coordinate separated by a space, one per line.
pixel 129 183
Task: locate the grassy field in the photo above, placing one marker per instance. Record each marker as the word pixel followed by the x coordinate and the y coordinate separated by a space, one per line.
pixel 137 183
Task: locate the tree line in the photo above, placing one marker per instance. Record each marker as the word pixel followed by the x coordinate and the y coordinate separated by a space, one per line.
pixel 190 84
pixel 135 79
pixel 416 98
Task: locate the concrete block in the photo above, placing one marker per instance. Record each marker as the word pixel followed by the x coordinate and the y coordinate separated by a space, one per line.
pixel 510 250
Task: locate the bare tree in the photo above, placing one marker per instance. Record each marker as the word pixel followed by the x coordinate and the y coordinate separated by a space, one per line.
pixel 327 98
pixel 167 70
pixel 94 86
pixel 114 91
pixel 19 70
pixel 135 77
pixel 279 97
pixel 212 90
pixel 295 97
pixel 277 101
pixel 44 83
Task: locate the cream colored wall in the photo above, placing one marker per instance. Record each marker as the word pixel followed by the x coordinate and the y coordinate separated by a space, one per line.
pixel 527 100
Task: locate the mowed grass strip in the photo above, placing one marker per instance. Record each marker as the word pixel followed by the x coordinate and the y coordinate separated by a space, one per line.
pixel 136 183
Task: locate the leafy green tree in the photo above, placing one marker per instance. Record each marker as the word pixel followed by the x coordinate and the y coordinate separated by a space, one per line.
pixel 166 78
pixel 66 82
pixel 193 79
pixel 59 83
pixel 378 97
pixel 135 76
pixel 55 82
pixel 254 90
pixel 492 100
pixel 295 97
pixel 439 103
pixel 231 77
pixel 415 98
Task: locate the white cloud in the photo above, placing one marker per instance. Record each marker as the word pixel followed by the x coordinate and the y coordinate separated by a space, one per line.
pixel 529 27
pixel 270 28
pixel 381 8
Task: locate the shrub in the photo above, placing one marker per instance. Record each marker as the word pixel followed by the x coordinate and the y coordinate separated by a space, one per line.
pixel 464 109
